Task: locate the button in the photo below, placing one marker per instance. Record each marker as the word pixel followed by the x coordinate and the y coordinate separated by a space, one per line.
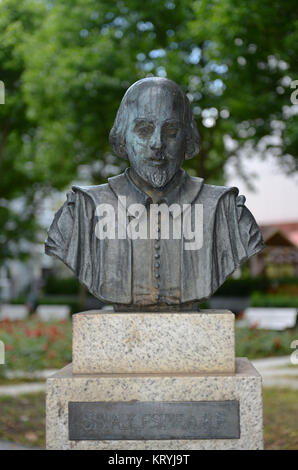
pixel 156 246
pixel 157 264
pixel 157 275
pixel 157 285
pixel 157 255
pixel 157 297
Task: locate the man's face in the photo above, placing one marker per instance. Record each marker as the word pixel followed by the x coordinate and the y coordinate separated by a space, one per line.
pixel 155 138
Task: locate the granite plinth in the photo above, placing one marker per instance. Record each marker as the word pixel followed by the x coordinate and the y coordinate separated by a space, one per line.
pixel 118 343
pixel 244 386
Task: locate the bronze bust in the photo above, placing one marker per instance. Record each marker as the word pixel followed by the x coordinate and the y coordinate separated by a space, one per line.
pixel 154 238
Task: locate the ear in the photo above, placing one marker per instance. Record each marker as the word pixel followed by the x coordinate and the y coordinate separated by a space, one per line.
pixel 122 151
pixel 118 145
pixel 192 139
pixel 192 147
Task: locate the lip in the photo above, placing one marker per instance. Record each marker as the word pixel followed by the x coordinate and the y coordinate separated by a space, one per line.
pixel 157 162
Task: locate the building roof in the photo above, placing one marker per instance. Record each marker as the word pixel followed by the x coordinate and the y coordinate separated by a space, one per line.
pixel 281 234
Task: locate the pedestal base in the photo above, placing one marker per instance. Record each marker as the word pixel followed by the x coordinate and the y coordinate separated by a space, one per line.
pixel 243 390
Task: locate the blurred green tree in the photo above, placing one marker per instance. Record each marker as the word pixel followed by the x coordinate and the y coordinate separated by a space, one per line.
pixel 255 45
pixel 235 59
pixel 19 187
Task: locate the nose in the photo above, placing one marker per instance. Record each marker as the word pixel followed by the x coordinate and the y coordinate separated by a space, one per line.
pixel 155 142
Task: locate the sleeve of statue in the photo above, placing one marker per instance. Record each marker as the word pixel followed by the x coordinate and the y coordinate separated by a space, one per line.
pixel 236 238
pixel 250 233
pixel 71 235
pixel 60 231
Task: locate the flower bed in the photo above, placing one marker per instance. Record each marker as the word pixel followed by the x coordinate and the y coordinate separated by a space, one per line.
pixel 33 344
pixel 257 343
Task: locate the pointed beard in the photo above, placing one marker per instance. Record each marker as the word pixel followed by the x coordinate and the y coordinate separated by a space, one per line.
pixel 156 177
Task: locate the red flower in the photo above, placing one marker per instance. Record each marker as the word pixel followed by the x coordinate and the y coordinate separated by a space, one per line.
pixel 51 354
pixel 254 326
pixel 276 342
pixel 29 333
pixel 38 331
pixel 6 325
pixel 54 332
pixel 8 347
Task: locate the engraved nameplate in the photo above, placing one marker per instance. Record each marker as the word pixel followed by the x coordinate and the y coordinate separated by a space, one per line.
pixel 153 420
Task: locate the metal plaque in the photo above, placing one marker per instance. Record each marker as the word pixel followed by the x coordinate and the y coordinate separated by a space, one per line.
pixel 154 420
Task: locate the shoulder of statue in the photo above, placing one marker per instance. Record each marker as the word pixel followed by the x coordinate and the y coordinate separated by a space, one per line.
pixel 118 179
pixel 96 193
pixel 218 193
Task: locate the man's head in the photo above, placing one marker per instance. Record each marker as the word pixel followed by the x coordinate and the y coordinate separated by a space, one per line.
pixel 155 129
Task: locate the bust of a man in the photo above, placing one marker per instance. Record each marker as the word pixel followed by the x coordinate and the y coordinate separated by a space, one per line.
pixel 154 238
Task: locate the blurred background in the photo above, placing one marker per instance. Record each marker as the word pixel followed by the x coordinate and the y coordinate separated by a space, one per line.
pixel 64 67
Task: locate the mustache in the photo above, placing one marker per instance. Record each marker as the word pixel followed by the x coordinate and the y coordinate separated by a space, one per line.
pixel 158 155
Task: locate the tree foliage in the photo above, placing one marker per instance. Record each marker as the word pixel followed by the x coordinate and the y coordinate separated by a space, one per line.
pixel 19 182
pixel 235 60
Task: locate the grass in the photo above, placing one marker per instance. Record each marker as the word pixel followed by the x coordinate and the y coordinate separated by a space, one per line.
pixel 18 381
pixel 256 343
pixel 280 419
pixel 22 419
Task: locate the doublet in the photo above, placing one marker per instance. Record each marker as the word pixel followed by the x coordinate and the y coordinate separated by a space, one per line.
pixel 148 272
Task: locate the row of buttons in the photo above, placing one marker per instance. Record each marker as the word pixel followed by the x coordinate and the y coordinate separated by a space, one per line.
pixel 157 262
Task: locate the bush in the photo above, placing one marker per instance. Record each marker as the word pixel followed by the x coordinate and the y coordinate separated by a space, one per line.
pixel 63 286
pixel 244 287
pixel 258 299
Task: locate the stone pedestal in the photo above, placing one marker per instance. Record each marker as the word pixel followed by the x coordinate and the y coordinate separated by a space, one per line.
pixel 105 343
pixel 155 381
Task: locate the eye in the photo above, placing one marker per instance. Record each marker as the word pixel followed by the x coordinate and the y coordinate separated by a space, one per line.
pixel 144 130
pixel 171 132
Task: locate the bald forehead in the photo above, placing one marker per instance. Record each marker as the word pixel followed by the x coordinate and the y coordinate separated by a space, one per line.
pixel 163 99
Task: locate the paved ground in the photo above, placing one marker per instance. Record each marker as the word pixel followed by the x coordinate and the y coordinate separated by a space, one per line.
pixel 21 389
pixel 276 372
pixel 272 362
pixel 37 374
